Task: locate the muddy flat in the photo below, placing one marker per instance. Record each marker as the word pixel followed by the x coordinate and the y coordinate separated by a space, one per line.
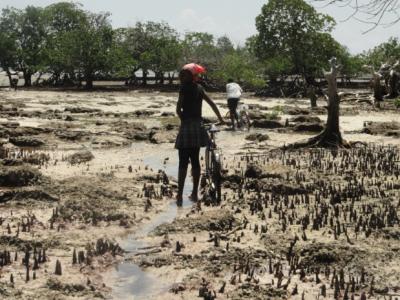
pixel 87 208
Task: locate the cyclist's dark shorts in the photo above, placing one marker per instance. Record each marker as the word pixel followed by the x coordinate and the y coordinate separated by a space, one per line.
pixel 233 104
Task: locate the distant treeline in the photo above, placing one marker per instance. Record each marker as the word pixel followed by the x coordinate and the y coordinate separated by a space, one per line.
pixel 71 46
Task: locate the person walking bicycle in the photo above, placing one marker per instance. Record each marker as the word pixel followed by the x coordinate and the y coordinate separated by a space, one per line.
pixel 192 135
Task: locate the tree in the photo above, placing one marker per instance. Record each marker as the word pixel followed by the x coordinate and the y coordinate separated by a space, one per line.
pixel 165 50
pixel 387 52
pixel 294 30
pixel 199 47
pixel 60 19
pixel 27 27
pixel 8 45
pixel 331 136
pixel 89 47
pixel 350 65
pixel 225 45
pixel 152 46
pixel 240 66
pixel 372 12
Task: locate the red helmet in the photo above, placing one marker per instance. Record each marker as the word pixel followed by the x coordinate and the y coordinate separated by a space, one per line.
pixel 195 69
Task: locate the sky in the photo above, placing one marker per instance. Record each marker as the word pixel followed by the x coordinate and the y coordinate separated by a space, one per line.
pixel 234 18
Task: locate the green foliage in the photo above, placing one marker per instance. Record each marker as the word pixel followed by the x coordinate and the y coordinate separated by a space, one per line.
pixel 199 47
pixel 61 19
pixel 151 46
pixel 89 47
pixel 26 28
pixel 387 52
pixel 350 65
pixel 293 38
pixel 8 45
pixel 239 66
pixel 221 59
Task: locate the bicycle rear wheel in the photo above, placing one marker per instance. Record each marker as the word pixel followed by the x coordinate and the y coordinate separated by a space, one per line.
pixel 245 121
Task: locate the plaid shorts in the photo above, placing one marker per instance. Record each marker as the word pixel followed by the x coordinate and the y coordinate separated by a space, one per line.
pixel 191 134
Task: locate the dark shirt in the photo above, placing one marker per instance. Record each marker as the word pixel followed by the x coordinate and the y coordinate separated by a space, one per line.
pixel 192 99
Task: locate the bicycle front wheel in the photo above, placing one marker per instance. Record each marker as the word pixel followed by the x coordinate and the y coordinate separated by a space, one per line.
pixel 217 179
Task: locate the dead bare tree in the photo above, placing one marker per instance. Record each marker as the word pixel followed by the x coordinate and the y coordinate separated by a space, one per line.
pixel 330 137
pixel 372 12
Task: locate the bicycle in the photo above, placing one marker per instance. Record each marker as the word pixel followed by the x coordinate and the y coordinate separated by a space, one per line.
pixel 243 116
pixel 212 177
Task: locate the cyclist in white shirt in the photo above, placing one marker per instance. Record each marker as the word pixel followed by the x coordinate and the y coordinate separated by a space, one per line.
pixel 234 92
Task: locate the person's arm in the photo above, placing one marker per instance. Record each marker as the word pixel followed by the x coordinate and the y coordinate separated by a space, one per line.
pixel 214 107
pixel 179 106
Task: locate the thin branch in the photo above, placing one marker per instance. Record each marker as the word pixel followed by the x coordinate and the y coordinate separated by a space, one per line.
pixel 368 11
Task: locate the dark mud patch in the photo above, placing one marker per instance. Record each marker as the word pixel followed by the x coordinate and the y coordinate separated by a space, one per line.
pixel 305 119
pixel 285 189
pixel 72 290
pixel 82 110
pixel 267 124
pixel 22 245
pixel 211 221
pixel 23 132
pixel 257 292
pixel 308 127
pixel 91 200
pixel 382 128
pixel 322 254
pixel 80 157
pixel 292 110
pixel 391 233
pixel 24 195
pixel 71 135
pixel 254 171
pixel 19 176
pixel 144 113
pixel 26 141
pixel 257 137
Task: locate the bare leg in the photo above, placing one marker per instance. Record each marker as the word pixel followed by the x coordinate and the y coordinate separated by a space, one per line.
pixel 181 184
pixel 196 179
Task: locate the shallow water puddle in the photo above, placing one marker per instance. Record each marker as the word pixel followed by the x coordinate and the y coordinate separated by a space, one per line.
pixel 132 281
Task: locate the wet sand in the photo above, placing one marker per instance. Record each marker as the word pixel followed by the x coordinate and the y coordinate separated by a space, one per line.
pixel 130 135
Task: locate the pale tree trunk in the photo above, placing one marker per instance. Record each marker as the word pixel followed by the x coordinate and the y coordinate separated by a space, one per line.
pixel 330 137
pixel 393 81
